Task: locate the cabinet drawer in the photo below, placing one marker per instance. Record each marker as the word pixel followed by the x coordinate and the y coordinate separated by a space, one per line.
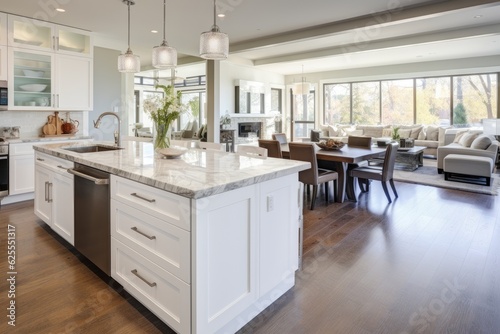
pixel 161 204
pixel 162 293
pixel 54 163
pixel 161 242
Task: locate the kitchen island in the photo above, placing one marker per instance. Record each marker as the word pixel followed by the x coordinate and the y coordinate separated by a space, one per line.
pixel 205 241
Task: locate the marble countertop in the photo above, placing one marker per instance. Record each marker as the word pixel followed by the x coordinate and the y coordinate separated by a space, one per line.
pixel 46 139
pixel 195 174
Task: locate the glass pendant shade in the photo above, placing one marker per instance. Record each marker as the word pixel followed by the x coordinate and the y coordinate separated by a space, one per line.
pixel 301 88
pixel 129 63
pixel 214 45
pixel 164 56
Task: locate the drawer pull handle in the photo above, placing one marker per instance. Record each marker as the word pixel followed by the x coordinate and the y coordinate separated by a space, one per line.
pixel 142 278
pixel 142 233
pixel 150 200
pixel 40 159
pixel 62 167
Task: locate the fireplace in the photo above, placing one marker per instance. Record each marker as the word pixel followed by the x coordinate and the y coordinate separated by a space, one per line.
pixel 247 129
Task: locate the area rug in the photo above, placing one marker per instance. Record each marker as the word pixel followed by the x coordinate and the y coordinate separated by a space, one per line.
pixel 428 175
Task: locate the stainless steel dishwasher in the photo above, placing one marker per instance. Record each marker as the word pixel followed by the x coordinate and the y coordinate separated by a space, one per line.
pixel 92 215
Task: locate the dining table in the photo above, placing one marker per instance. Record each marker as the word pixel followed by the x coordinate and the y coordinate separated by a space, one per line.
pixel 343 160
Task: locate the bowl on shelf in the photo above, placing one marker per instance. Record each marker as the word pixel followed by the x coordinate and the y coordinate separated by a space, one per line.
pixel 33 87
pixel 330 145
pixel 33 73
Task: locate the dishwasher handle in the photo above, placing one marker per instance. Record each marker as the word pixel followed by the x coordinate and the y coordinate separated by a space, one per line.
pixel 96 180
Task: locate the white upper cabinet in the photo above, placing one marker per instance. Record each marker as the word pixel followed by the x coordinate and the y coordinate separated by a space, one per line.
pixel 3 62
pixel 3 29
pixel 44 36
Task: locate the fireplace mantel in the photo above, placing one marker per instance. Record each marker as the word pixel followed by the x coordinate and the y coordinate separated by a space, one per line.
pixel 251 115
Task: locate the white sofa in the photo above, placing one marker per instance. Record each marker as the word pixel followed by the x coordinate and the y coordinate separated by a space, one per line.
pixel 430 136
pixel 471 143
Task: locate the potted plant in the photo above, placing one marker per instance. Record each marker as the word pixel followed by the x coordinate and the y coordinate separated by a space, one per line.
pixel 395 134
pixel 225 121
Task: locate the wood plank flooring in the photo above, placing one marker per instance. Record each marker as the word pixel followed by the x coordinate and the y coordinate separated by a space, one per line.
pixel 427 263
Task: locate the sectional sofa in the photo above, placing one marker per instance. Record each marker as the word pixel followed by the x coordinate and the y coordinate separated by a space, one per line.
pixel 429 136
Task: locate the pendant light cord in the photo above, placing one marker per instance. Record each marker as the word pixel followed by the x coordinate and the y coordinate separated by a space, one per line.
pixel 215 28
pixel 128 39
pixel 164 19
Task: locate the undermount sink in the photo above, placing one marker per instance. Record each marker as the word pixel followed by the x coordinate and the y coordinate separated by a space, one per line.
pixel 92 148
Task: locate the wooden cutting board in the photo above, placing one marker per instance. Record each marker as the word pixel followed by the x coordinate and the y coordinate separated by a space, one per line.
pixel 49 128
pixel 58 123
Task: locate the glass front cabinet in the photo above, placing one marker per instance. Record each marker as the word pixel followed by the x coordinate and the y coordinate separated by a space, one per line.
pixel 3 46
pixel 50 66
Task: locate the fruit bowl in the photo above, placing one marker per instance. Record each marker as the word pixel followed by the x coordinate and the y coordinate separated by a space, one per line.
pixel 330 145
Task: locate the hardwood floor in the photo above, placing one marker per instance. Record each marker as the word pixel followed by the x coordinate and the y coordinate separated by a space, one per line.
pixel 427 263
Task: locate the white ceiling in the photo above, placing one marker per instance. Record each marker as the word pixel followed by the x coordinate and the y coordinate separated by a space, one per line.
pixel 284 35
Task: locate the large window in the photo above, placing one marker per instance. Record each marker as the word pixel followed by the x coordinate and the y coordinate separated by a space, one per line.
pixel 366 103
pixel 474 98
pixel 194 101
pixel 337 103
pixel 433 100
pixel 397 101
pixel 451 100
pixel 303 111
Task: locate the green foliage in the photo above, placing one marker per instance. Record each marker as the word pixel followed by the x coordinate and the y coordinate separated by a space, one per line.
pixel 460 115
pixel 194 105
pixel 395 133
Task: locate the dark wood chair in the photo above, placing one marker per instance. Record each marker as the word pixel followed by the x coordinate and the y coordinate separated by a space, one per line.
pixel 382 173
pixel 357 141
pixel 273 148
pixel 281 137
pixel 313 176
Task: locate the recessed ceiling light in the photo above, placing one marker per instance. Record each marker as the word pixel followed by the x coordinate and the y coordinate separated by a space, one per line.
pixel 154 31
pixel 61 10
pixel 221 15
pixel 478 16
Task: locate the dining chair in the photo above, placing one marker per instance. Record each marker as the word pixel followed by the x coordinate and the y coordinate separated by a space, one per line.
pixel 281 137
pixel 273 147
pixel 313 176
pixel 382 173
pixel 212 146
pixel 251 151
pixel 357 141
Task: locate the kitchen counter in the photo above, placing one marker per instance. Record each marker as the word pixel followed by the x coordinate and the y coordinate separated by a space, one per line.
pixel 47 139
pixel 196 174
pixel 205 241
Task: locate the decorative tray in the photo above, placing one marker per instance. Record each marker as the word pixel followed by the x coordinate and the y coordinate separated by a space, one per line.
pixel 330 146
pixel 171 153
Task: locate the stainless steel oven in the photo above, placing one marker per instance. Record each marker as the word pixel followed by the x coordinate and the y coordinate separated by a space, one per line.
pixel 4 95
pixel 4 168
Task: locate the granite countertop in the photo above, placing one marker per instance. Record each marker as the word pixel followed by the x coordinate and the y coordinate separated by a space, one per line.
pixel 47 139
pixel 196 174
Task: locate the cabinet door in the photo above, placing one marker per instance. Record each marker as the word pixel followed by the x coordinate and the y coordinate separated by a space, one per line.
pixel 62 206
pixel 74 41
pixel 43 206
pixel 278 232
pixel 3 62
pixel 30 80
pixel 3 29
pixel 21 177
pixel 28 33
pixel 74 82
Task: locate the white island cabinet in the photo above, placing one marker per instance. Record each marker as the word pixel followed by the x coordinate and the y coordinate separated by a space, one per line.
pixel 206 241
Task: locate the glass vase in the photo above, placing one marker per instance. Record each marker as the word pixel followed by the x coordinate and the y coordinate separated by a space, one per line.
pixel 161 136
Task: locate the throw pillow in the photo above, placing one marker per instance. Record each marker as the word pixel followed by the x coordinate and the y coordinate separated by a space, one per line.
pixel 332 131
pixel 404 133
pixel 415 132
pixel 467 139
pixel 422 134
pixel 459 136
pixel 387 132
pixel 481 143
pixel 432 132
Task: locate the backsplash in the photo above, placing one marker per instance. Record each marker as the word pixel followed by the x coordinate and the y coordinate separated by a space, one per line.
pixel 31 122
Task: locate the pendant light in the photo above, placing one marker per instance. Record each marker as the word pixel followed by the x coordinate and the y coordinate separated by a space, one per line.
pixel 128 62
pixel 302 87
pixel 164 56
pixel 214 44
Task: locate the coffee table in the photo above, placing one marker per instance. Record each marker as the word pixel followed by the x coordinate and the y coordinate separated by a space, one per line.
pixel 410 159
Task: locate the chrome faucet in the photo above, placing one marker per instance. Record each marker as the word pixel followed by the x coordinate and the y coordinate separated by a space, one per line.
pixel 97 123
